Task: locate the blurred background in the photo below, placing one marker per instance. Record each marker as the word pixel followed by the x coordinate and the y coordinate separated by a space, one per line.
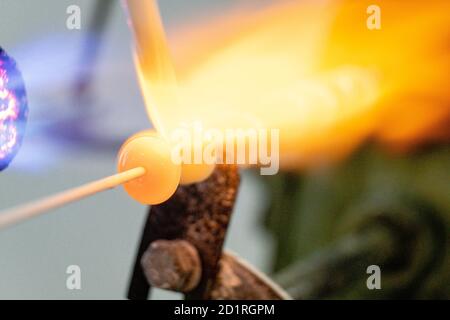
pixel 370 188
pixel 100 234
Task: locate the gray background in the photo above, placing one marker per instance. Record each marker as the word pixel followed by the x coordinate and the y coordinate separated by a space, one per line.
pixel 99 234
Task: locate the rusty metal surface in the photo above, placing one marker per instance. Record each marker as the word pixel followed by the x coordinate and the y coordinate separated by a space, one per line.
pixel 172 265
pixel 238 280
pixel 198 213
pixel 175 265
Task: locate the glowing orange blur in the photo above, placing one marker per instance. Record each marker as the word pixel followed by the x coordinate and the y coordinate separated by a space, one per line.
pixel 315 71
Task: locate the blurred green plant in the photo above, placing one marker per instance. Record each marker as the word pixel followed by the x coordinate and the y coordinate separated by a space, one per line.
pixel 331 223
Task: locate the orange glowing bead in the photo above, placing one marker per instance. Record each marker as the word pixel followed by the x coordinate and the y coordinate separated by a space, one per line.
pixel 196 172
pixel 192 173
pixel 162 175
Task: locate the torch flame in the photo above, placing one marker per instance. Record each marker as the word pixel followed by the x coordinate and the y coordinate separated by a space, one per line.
pixel 13 109
pixel 311 69
pixel 8 113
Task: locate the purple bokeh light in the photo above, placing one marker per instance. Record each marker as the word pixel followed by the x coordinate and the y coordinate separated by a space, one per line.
pixel 13 109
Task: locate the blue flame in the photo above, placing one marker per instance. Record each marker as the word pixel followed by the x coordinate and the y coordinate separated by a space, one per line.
pixel 13 109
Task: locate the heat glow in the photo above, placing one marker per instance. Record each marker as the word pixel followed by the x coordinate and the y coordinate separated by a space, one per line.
pixel 313 70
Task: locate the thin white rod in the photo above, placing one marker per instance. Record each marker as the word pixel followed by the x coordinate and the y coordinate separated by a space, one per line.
pixel 15 215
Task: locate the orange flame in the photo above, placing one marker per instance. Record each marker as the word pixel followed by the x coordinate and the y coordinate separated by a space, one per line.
pixel 315 71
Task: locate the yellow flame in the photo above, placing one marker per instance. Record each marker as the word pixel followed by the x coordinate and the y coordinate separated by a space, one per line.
pixel 313 70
